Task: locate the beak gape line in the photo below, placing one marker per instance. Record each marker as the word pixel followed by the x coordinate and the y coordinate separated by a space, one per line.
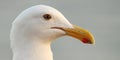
pixel 77 32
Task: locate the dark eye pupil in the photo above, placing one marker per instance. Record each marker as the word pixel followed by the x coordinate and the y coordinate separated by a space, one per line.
pixel 47 16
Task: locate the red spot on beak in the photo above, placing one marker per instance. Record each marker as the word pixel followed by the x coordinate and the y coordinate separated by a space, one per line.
pixel 85 40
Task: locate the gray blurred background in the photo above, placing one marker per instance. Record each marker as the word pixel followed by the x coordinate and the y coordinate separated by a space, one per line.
pixel 101 17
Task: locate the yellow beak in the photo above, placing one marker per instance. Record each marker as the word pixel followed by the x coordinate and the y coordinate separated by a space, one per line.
pixel 77 32
pixel 81 34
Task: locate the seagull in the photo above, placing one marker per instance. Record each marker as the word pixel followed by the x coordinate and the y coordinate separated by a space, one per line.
pixel 35 28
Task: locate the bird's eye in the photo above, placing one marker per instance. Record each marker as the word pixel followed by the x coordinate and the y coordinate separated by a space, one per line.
pixel 47 16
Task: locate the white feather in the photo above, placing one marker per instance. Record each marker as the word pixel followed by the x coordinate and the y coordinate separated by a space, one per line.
pixel 31 35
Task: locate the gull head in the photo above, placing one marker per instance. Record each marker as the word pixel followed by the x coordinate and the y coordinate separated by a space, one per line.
pixel 46 23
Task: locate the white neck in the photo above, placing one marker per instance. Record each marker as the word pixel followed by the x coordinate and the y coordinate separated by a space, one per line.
pixel 32 50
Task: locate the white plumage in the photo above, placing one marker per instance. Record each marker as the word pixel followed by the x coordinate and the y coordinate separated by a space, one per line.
pixel 32 33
